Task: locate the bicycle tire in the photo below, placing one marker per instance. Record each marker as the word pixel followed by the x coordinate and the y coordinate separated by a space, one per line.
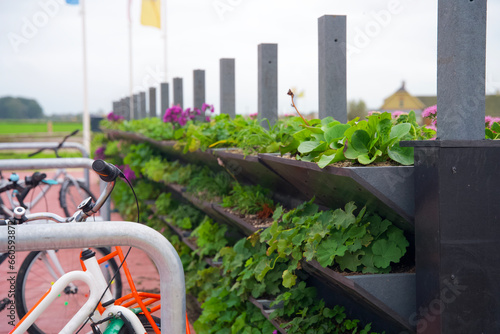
pixel 145 323
pixel 70 197
pixel 33 280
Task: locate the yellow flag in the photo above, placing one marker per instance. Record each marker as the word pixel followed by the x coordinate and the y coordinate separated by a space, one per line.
pixel 150 13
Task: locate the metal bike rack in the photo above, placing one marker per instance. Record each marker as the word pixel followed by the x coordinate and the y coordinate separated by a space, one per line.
pixel 21 164
pixel 50 145
pixel 102 234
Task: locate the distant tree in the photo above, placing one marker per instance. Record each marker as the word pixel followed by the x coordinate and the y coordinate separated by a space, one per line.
pixel 19 108
pixel 356 109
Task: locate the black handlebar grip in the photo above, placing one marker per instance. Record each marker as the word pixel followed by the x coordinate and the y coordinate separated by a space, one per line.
pixel 106 171
pixel 38 177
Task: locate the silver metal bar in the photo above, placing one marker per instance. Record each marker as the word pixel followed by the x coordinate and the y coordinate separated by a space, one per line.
pixel 39 145
pixel 102 234
pixel 21 164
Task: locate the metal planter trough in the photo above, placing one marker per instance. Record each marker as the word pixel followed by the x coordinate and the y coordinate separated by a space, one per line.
pixel 386 300
pixel 388 190
pixel 250 169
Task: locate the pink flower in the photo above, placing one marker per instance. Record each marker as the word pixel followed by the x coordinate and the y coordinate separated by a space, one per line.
pixel 430 111
pixel 398 113
pixel 373 112
pixel 99 153
pixel 254 115
pixel 207 118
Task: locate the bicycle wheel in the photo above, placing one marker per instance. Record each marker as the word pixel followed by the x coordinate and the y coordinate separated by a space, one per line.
pixel 145 323
pixel 70 196
pixel 34 279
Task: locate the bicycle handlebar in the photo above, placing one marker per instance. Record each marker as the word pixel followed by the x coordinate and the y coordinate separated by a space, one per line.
pixel 55 149
pixel 107 172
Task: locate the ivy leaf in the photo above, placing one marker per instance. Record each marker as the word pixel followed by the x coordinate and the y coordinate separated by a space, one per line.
pixel 327 250
pixel 350 260
pixel 377 225
pixel 385 252
pixel 289 279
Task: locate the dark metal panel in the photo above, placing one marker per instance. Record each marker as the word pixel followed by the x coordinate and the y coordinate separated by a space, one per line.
pixel 334 186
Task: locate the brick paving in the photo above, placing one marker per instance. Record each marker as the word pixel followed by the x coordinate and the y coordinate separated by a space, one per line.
pixel 142 268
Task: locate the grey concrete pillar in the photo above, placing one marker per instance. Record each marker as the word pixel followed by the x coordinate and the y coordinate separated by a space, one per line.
pixel 178 93
pixel 165 98
pixel 135 103
pixel 199 92
pixel 126 108
pixel 461 69
pixel 142 107
pixel 268 82
pixel 227 87
pixel 332 81
pixel 115 108
pixel 123 108
pixel 152 102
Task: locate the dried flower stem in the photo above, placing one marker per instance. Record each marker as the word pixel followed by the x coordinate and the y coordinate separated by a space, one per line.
pixel 293 104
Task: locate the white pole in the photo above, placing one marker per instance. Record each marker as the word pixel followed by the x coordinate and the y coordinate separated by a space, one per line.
pixel 131 69
pixel 164 23
pixel 86 116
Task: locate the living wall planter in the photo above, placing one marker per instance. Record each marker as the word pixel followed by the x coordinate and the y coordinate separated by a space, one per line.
pixel 235 221
pixel 386 300
pixel 266 310
pixel 386 190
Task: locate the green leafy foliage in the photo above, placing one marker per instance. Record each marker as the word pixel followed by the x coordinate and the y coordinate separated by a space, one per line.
pixel 358 243
pixel 209 237
pixel 373 140
pixel 183 216
pixel 209 185
pixel 248 199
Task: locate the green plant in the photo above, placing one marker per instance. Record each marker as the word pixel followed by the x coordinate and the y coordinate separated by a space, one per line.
pixel 184 216
pixel 376 139
pixel 248 199
pixel 209 184
pixel 359 243
pixel 303 313
pixel 209 237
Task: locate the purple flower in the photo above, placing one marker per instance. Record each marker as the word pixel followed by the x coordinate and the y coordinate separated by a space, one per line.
pixel 129 173
pixel 99 153
pixel 114 117
pixel 275 331
pixel 198 112
pixel 207 118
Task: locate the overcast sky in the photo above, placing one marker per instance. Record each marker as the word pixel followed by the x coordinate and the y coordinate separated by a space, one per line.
pixel 45 63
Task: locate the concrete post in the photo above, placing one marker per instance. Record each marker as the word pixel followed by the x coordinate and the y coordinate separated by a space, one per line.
pixel 227 87
pixel 268 82
pixel 165 98
pixel 332 81
pixel 461 69
pixel 152 102
pixel 116 108
pixel 199 92
pixel 178 93
pixel 135 103
pixel 126 108
pixel 142 107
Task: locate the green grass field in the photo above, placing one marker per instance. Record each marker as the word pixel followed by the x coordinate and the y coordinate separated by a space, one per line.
pixel 19 126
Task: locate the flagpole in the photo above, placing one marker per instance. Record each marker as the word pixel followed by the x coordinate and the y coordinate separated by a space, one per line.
pixel 86 116
pixel 131 69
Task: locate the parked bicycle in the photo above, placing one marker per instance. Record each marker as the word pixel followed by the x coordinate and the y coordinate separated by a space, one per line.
pixel 112 316
pixel 71 193
pixel 40 268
